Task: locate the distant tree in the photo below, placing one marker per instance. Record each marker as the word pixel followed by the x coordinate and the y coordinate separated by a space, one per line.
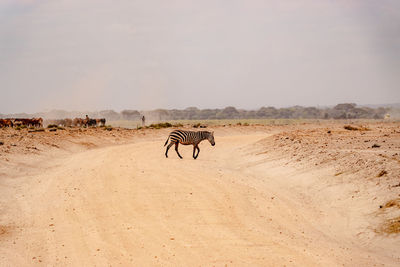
pixel 207 114
pixel 191 113
pixel 162 114
pixel 228 113
pixel 129 114
pixel 110 115
pixel 311 113
pixel 267 112
pixel 345 106
pixel 285 113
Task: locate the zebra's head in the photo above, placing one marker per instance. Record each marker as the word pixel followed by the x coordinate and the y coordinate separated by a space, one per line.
pixel 211 138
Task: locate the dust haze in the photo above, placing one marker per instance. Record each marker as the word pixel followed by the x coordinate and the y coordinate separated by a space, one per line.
pixel 98 55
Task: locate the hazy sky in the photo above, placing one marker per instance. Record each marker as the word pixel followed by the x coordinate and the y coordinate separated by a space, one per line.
pixel 127 54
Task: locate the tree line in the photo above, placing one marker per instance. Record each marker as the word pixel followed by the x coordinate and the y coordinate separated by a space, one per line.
pixel 340 111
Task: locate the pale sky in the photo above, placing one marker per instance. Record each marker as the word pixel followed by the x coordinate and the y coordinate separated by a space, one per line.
pixel 127 54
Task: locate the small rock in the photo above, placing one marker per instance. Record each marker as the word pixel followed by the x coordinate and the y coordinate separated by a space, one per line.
pixel 1 143
pixel 375 145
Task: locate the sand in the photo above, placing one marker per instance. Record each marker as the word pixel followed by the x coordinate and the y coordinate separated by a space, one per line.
pixel 103 200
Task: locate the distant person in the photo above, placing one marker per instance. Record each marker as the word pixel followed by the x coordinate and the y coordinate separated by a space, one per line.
pixel 143 121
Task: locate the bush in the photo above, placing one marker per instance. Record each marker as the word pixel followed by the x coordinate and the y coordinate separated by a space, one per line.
pixel 160 125
pixel 52 126
pixel 36 130
pixel 108 128
pixel 352 128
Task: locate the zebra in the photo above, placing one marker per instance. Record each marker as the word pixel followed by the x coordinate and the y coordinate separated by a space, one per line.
pixel 188 138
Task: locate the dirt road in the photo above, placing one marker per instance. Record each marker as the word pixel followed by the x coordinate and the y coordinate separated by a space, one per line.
pixel 128 205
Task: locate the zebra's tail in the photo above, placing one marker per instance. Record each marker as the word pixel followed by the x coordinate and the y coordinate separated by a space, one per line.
pixel 166 142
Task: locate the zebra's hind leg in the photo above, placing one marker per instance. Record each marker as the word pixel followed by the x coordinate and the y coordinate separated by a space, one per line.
pixel 166 151
pixel 176 149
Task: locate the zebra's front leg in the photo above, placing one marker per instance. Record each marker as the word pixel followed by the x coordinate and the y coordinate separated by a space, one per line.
pixel 166 151
pixel 176 149
pixel 198 151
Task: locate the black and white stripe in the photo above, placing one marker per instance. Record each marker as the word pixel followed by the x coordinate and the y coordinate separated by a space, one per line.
pixel 188 138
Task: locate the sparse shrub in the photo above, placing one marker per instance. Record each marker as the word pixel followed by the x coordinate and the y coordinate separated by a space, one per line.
pixel 31 128
pixel 138 127
pixel 177 125
pixel 391 226
pixel 160 125
pixel 36 130
pixel 246 124
pixel 60 128
pixel 108 128
pixel 239 123
pixel 382 173
pixel 52 126
pixel 394 203
pixel 197 125
pixel 352 128
pixel 52 129
pixel 18 128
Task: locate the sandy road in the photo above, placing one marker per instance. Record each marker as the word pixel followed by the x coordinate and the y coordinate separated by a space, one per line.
pixel 128 205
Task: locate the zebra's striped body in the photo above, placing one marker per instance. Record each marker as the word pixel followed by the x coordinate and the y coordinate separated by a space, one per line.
pixel 188 138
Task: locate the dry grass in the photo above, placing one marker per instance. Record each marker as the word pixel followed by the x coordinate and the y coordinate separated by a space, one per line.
pixel 353 128
pixel 5 230
pixel 36 130
pixel 392 203
pixel 382 173
pixel 159 125
pixel 391 226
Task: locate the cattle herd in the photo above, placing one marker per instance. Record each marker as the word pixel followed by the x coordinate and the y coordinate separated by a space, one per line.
pixel 35 122
pixel 38 122
pixel 78 122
